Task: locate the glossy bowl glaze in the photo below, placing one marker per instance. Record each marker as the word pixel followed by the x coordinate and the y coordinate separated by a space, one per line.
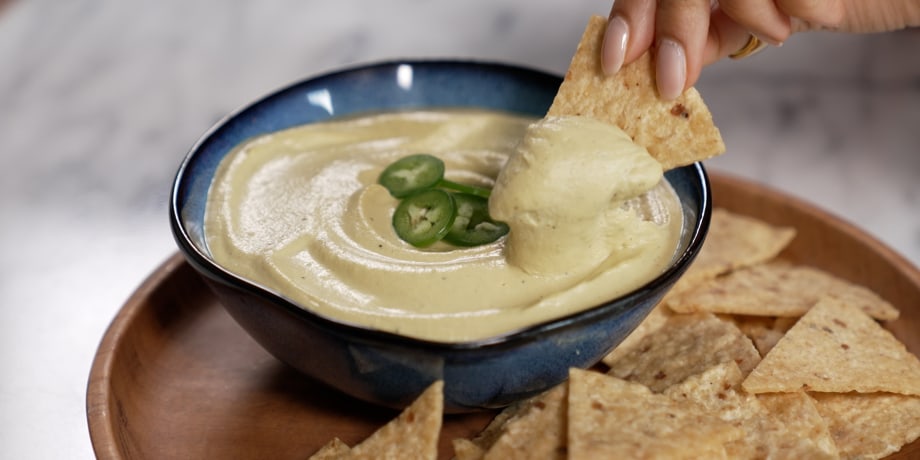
pixel 386 368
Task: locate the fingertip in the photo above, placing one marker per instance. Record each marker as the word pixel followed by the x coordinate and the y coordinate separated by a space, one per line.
pixel 636 20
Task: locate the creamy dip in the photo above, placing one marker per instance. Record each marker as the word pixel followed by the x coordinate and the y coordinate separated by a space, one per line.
pixel 299 212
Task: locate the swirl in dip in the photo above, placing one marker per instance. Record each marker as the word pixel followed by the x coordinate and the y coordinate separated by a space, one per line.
pixel 299 212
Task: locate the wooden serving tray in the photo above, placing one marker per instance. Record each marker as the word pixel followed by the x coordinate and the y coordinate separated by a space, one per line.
pixel 176 377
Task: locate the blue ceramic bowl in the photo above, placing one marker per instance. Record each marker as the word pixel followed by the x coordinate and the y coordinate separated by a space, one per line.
pixel 387 368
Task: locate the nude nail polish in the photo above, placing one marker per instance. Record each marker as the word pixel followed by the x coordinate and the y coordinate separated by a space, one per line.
pixel 670 69
pixel 613 51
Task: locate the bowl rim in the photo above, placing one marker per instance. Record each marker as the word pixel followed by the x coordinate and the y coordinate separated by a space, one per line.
pixel 207 267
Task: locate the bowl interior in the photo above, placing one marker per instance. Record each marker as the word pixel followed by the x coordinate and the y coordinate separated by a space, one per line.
pixel 379 87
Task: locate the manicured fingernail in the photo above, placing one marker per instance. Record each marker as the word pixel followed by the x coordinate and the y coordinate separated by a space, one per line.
pixel 613 50
pixel 671 69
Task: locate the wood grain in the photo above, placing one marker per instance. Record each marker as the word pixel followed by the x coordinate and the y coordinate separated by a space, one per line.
pixel 176 377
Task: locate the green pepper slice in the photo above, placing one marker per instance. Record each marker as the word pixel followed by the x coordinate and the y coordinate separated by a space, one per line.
pixel 411 174
pixel 463 188
pixel 425 217
pixel 473 226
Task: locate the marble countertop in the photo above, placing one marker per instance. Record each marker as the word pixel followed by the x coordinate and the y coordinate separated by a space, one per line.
pixel 101 99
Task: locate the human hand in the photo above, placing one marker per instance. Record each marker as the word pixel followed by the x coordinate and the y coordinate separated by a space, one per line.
pixel 689 34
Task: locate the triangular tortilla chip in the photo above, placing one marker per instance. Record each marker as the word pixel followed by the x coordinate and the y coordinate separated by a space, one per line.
pixel 475 449
pixel 333 450
pixel 836 347
pixel 539 432
pixel 764 331
pixel 798 412
pixel 466 449
pixel 612 418
pixel 412 435
pixel 676 133
pixel 655 319
pixel 777 289
pixel 685 345
pixel 734 241
pixel 871 425
pixel 718 392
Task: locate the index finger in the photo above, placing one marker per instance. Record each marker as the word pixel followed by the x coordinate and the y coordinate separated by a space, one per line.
pixel 681 33
pixel 630 31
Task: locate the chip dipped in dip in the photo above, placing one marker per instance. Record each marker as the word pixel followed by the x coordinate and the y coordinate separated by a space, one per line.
pixel 576 179
pixel 300 212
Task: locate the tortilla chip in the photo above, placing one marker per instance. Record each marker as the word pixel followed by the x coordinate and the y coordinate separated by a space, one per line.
pixel 837 347
pixel 538 432
pixel 685 345
pixel 784 324
pixel 655 319
pixel 870 425
pixel 466 449
pixel 412 435
pixel 333 450
pixel 717 391
pixel 714 391
pixel 612 418
pixel 474 449
pixel 734 241
pixel 764 331
pixel 778 289
pixel 676 133
pixel 797 411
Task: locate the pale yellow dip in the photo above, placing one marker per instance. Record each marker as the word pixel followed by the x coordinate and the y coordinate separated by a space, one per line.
pixel 299 212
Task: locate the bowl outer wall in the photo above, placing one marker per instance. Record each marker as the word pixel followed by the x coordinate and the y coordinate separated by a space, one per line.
pixel 385 368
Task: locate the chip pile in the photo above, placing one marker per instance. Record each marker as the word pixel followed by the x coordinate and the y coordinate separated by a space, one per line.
pixel 750 357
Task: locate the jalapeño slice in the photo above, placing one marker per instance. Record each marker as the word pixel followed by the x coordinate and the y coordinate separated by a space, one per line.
pixel 473 226
pixel 411 174
pixel 463 188
pixel 423 218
